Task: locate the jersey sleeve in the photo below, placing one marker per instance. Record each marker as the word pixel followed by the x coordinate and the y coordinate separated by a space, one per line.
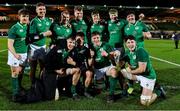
pixel 145 29
pixel 142 55
pixel 12 33
pixel 33 27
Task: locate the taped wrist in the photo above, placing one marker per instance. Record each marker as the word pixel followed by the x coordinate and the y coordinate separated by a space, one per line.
pixel 126 74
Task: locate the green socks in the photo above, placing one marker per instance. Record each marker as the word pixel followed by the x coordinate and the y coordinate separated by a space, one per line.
pixel 113 83
pixel 15 85
pixel 73 89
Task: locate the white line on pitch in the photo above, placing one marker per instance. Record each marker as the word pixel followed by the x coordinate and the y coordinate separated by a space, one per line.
pixel 3 50
pixel 162 60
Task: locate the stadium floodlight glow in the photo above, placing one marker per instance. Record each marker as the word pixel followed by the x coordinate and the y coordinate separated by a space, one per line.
pixel 7 4
pixel 82 5
pixel 156 7
pixel 105 6
pixel 120 6
pixel 138 7
pixel 65 5
pixel 172 8
pixel 25 4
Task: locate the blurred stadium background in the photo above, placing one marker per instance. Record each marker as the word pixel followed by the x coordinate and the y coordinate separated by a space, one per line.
pixel 162 18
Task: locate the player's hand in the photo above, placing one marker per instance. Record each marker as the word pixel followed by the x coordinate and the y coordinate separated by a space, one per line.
pixel 104 53
pixel 92 53
pixel 60 71
pixel 128 69
pixel 17 56
pixel 70 61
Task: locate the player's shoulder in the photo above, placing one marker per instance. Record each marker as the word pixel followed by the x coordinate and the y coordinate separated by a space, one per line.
pixel 141 50
pixel 14 26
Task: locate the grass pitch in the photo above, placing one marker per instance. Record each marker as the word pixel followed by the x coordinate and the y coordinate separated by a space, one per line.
pixel 167 74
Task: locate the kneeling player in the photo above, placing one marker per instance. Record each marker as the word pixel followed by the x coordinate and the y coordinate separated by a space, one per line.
pixel 140 69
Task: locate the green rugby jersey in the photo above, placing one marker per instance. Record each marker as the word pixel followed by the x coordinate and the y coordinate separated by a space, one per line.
pixel 80 26
pixel 97 27
pixel 38 26
pixel 100 61
pixel 116 32
pixel 136 30
pixel 140 55
pixel 18 33
pixel 61 31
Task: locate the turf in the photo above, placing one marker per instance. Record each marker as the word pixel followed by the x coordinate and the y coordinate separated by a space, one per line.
pixel 168 75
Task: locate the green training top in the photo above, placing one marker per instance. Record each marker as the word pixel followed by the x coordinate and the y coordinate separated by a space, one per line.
pixel 18 33
pixel 80 26
pixel 100 61
pixel 38 26
pixel 140 55
pixel 97 27
pixel 116 32
pixel 136 30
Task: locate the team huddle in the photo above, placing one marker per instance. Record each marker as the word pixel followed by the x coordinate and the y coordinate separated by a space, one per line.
pixel 81 54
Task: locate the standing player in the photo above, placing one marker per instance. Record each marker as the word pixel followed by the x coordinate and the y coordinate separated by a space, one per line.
pixel 136 28
pixel 39 25
pixel 17 51
pixel 140 69
pixel 103 65
pixel 61 30
pixel 115 28
pixel 79 24
pixel 99 26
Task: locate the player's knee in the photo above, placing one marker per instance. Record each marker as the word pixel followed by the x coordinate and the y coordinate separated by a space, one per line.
pixel 88 74
pixel 113 72
pixel 147 100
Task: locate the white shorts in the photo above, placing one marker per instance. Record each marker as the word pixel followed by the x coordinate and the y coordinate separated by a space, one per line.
pixel 37 51
pixel 146 83
pixel 99 73
pixel 12 61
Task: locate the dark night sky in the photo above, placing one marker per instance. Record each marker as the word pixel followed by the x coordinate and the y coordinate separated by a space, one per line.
pixel 146 3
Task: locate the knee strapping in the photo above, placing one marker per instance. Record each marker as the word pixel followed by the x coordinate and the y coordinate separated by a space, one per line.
pixel 147 100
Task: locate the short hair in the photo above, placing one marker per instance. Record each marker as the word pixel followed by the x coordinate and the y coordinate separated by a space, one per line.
pixel 78 8
pixel 113 11
pixel 131 37
pixel 40 4
pixel 65 12
pixel 95 33
pixel 130 12
pixel 95 12
pixel 71 37
pixel 81 34
pixel 23 11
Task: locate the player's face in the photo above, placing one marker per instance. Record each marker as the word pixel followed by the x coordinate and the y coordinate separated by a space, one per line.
pixel 95 18
pixel 81 40
pixel 131 18
pixel 41 11
pixel 131 45
pixel 24 19
pixel 113 16
pixel 78 14
pixel 96 40
pixel 65 18
pixel 70 44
